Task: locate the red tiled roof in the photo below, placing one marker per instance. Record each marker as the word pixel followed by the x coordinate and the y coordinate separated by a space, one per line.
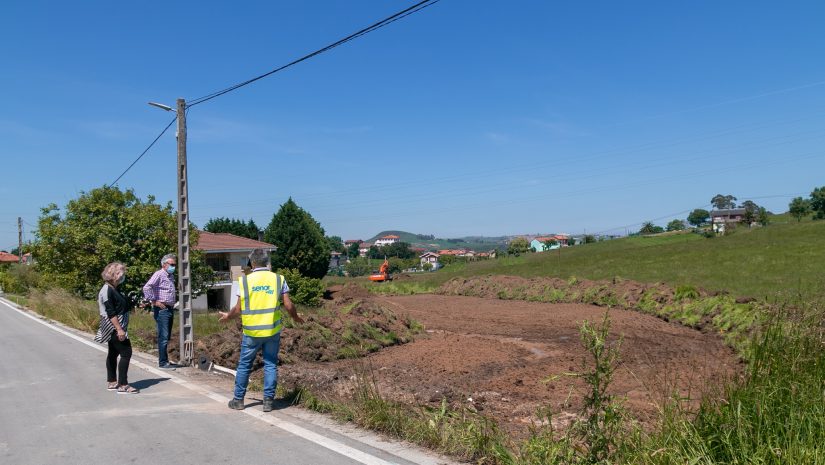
pixel 216 242
pixel 6 257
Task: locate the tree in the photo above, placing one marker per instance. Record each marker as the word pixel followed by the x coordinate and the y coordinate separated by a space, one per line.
pixel 358 266
pixel 336 244
pixel 518 246
pixel 749 205
pixel 299 241
pixel 698 217
pixel 762 216
pixel 676 225
pixel 550 243
pixel 233 226
pixel 589 238
pixel 650 228
pixel 751 211
pixel 398 249
pixel 799 208
pixel 353 250
pixel 106 225
pixel 817 202
pixel 721 202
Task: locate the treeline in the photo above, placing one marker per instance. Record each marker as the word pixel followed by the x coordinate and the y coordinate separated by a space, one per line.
pixel 753 213
pixel 74 243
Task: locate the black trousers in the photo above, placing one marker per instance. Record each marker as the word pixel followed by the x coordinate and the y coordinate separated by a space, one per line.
pixel 118 371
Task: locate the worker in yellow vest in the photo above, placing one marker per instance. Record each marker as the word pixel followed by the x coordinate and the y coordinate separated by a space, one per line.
pixel 261 296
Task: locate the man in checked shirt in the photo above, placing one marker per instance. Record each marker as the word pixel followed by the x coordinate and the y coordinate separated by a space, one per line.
pixel 160 292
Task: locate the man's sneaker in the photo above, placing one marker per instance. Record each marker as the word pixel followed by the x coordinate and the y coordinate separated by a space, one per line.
pixel 168 366
pixel 236 404
pixel 268 403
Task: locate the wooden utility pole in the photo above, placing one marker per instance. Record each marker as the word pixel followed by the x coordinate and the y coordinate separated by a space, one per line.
pixel 185 270
pixel 20 240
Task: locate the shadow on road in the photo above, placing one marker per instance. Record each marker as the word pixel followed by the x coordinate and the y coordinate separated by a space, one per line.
pixel 146 383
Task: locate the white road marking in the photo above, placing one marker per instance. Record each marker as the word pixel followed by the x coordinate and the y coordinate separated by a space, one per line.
pixel 297 430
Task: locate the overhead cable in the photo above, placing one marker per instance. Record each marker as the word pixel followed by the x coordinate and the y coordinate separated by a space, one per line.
pixel 144 151
pixel 384 22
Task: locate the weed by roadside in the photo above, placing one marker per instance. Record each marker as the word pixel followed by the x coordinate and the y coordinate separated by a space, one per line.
pixel 460 433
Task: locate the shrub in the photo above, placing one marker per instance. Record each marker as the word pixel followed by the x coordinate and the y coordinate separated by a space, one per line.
pixel 358 266
pixel 18 279
pixel 303 290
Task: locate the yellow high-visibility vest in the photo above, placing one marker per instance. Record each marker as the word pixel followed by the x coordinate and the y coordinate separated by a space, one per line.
pixel 261 303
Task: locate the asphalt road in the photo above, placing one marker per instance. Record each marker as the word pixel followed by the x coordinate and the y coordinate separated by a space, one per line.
pixel 55 409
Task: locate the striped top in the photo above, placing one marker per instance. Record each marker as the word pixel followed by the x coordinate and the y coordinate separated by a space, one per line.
pixel 111 303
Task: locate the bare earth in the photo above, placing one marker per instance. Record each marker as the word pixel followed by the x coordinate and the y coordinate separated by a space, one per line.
pixel 508 358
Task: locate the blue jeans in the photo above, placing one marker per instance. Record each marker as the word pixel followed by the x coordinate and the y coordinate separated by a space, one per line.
pixel 163 318
pixel 249 349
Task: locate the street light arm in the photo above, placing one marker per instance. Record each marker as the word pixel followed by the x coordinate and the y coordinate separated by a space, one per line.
pixel 161 106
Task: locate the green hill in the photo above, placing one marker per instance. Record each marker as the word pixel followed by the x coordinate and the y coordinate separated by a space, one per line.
pixel 430 242
pixel 786 258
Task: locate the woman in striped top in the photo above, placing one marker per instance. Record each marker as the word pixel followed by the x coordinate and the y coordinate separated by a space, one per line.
pixel 114 322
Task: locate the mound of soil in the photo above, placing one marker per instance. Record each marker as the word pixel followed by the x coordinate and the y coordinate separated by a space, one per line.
pixel 348 328
pixel 507 359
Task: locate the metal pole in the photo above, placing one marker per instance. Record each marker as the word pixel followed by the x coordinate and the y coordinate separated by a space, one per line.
pixel 185 270
pixel 20 240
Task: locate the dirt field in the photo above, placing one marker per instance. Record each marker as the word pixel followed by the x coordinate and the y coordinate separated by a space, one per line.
pixel 508 358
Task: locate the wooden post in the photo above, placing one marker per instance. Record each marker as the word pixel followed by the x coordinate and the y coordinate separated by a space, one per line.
pixel 184 266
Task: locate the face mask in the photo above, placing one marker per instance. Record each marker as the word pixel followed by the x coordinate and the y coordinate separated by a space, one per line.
pixel 121 280
pixel 171 269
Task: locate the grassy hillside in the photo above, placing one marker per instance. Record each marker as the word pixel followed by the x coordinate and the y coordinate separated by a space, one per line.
pixel 781 258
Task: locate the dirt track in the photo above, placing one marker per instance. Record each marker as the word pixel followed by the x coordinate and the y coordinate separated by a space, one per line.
pixel 508 358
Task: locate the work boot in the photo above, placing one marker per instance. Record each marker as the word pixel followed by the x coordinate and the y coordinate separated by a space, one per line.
pixel 236 404
pixel 268 403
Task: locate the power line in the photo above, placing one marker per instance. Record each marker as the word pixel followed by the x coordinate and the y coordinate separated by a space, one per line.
pixel 144 151
pixel 384 22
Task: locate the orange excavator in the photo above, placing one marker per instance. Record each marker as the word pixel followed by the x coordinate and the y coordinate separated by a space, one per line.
pixel 382 274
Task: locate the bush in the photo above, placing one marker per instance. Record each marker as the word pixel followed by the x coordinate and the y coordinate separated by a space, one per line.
pixel 303 290
pixel 359 266
pixel 18 279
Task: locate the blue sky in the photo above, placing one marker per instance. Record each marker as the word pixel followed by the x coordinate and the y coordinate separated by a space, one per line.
pixel 467 118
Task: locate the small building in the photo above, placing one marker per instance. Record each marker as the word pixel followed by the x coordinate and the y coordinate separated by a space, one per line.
pixel 227 255
pixel 720 218
pixel 364 249
pixel 389 239
pixel 336 260
pixel 349 242
pixel 6 257
pixel 429 257
pixel 540 243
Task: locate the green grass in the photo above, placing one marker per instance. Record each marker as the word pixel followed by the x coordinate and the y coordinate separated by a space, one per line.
pixel 18 299
pixel 776 415
pixel 62 306
pixel 781 259
pixel 460 433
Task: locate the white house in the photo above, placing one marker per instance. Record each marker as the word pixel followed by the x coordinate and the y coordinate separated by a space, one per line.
pixel 387 240
pixel 429 257
pixel 226 254
pixel 364 249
